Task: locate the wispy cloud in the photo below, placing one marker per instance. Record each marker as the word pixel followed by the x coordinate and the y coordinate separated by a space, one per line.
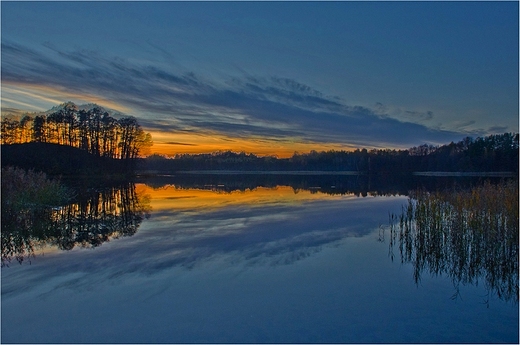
pixel 271 107
pixel 463 124
pixel 178 143
pixel 498 129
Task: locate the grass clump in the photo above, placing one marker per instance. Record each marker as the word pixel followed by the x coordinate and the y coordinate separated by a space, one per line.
pixel 26 196
pixel 470 235
pixel 28 189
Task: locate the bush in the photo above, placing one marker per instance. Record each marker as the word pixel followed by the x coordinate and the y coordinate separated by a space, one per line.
pixel 28 189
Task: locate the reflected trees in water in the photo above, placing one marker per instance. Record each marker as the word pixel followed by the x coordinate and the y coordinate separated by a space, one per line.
pixel 330 184
pixel 94 218
pixel 471 235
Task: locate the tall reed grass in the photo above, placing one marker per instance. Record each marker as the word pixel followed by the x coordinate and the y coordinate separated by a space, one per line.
pixel 470 235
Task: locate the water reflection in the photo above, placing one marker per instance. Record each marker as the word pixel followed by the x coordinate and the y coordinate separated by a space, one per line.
pixel 101 214
pixel 261 265
pixel 330 184
pixel 94 218
pixel 267 226
pixel 192 229
pixel 469 235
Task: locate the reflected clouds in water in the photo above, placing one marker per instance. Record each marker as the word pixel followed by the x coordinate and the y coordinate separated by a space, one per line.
pixel 269 233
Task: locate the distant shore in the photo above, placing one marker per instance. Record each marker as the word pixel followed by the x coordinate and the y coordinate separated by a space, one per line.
pixel 251 172
pixel 325 172
pixel 467 173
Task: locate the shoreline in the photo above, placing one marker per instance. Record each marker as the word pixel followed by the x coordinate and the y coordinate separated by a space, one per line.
pixel 465 174
pixel 326 172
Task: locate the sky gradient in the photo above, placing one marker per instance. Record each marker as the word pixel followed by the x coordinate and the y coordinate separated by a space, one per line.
pixel 271 77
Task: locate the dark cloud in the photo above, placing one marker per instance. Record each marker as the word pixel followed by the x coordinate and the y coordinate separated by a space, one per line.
pixel 272 107
pixel 162 125
pixel 498 129
pixel 462 124
pixel 178 143
pixel 419 115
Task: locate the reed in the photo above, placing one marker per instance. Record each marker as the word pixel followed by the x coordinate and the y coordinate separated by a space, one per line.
pixel 470 235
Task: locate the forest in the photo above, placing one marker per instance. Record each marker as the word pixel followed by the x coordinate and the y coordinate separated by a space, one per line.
pixel 90 129
pixel 493 153
pixel 72 140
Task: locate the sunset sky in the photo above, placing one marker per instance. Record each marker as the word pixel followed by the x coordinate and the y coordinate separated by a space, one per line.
pixel 271 77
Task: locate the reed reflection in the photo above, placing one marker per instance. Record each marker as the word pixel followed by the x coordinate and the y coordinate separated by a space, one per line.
pixel 471 235
pixel 95 217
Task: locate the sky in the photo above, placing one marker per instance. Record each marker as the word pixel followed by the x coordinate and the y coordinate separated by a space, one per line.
pixel 271 78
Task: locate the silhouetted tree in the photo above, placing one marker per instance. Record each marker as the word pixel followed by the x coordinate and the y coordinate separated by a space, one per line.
pixel 92 130
pixel 39 129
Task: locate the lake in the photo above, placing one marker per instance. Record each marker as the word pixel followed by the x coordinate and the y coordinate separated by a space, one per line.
pixel 240 259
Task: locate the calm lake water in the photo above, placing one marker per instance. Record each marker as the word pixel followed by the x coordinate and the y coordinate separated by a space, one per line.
pixel 229 260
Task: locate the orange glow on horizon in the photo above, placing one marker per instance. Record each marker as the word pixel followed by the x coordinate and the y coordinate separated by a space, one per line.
pixel 170 144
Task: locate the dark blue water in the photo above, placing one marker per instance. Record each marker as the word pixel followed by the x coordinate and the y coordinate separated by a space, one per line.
pixel 263 266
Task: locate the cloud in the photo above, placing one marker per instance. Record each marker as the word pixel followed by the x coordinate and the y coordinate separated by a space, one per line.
pixel 14 112
pixel 250 106
pixel 178 143
pixel 428 115
pixel 463 124
pixel 497 129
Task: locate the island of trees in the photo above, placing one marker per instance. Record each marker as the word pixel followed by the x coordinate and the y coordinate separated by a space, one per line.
pixel 69 140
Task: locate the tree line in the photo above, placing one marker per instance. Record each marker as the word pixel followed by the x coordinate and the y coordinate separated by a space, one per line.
pixel 497 152
pixel 490 153
pixel 93 130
